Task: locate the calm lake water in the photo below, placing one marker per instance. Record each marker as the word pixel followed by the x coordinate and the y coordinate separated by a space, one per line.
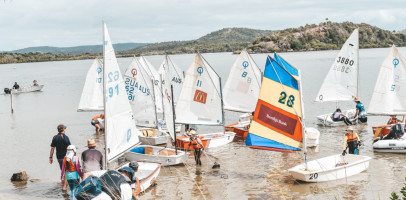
pixel 244 174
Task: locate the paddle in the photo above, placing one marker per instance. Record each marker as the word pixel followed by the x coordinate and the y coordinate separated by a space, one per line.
pixel 215 164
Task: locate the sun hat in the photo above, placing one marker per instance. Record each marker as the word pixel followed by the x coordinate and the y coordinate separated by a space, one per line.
pixel 349 128
pixel 192 132
pixel 91 143
pixel 357 99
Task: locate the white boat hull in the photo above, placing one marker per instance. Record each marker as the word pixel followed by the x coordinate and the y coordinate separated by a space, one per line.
pixel 312 137
pixel 326 120
pixel 25 89
pixel 326 169
pixel 225 138
pixel 153 137
pixel 157 155
pixel 390 146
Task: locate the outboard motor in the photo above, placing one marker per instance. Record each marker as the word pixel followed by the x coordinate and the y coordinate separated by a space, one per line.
pixel 7 90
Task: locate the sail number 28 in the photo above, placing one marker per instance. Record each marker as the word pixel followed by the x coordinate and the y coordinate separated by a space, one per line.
pixel 282 99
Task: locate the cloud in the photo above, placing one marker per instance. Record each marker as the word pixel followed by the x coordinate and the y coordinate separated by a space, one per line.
pixel 27 23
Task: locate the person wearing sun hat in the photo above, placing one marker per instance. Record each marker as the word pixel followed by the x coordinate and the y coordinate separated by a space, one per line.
pixel 351 141
pixel 197 145
pixel 92 158
pixel 360 111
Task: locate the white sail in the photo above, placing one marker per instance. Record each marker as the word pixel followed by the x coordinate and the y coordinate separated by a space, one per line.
pixel 389 96
pixel 149 68
pixel 92 94
pixel 242 88
pixel 140 92
pixel 167 100
pixel 341 82
pixel 200 98
pixel 121 133
pixel 176 75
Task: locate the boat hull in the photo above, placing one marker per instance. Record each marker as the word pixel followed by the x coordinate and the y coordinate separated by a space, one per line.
pixel 26 89
pixel 166 156
pixel 209 140
pixel 153 137
pixel 312 137
pixel 325 119
pixel 239 132
pixel 330 168
pixel 390 146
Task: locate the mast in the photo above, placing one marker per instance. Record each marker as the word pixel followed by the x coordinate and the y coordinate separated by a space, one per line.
pixel 222 109
pixel 303 119
pixel 104 101
pixel 174 118
pixel 357 64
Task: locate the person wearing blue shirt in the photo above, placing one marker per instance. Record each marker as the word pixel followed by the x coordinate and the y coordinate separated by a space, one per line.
pixel 360 111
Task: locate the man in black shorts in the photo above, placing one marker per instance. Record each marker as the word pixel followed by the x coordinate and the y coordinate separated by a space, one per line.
pixel 60 142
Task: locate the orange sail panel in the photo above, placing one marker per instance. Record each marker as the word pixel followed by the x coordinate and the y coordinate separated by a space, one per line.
pixel 277 119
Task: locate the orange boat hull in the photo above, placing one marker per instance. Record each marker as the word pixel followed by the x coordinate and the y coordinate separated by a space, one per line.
pixel 238 132
pixel 183 142
pixel 385 129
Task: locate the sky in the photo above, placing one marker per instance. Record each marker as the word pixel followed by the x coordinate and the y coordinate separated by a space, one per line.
pixel 67 23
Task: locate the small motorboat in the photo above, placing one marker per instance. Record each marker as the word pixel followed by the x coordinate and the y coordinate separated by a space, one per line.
pixel 30 88
pixel 166 156
pixel 330 168
pixel 393 142
pixel 325 120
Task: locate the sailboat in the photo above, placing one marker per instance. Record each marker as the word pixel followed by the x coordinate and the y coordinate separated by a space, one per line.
pixel 389 98
pixel 278 125
pixel 166 156
pixel 200 103
pixel 154 75
pixel 92 94
pixel 241 91
pixel 121 133
pixel 341 82
pixel 141 94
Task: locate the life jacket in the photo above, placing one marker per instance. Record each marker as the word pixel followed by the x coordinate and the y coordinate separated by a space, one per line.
pixel 195 143
pixel 95 118
pixel 352 137
pixel 394 121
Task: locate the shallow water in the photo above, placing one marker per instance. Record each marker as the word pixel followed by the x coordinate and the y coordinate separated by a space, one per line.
pixel 244 174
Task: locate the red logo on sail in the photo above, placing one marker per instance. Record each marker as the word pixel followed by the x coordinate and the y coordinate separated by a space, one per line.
pixel 200 96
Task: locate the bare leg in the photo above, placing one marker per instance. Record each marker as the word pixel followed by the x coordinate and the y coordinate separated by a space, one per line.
pixel 65 182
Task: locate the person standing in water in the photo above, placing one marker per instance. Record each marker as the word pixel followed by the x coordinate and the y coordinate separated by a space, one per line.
pixel 96 122
pixel 197 145
pixel 92 158
pixel 360 111
pixel 351 141
pixel 59 142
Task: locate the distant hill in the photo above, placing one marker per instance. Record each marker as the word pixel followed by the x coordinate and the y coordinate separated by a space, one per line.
pixel 92 49
pixel 326 35
pixel 227 39
pixel 404 31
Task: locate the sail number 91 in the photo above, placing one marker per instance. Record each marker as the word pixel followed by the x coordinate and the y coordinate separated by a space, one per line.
pixel 282 99
pixel 113 76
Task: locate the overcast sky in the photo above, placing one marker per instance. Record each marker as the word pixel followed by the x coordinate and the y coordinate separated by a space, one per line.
pixel 63 23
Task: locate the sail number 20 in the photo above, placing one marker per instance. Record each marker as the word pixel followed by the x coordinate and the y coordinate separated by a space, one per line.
pixel 113 76
pixel 282 99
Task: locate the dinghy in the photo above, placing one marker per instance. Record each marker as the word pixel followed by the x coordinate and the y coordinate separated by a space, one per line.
pixel 141 94
pixel 389 98
pixel 278 125
pixel 341 82
pixel 121 133
pixel 24 89
pixel 200 103
pixel 92 94
pixel 166 156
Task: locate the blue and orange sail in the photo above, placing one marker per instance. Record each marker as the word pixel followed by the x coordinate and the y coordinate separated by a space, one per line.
pixel 277 119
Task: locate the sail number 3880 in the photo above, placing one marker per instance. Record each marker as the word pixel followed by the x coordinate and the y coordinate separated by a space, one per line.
pixel 290 101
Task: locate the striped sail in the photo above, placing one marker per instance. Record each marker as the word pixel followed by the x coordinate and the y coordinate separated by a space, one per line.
pixel 140 92
pixel 175 74
pixel 200 99
pixel 149 68
pixel 282 62
pixel 92 94
pixel 121 133
pixel 389 96
pixel 277 120
pixel 243 85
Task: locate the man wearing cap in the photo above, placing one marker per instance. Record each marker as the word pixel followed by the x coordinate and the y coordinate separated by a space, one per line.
pixel 135 182
pixel 197 145
pixel 360 111
pixel 351 140
pixel 92 158
pixel 60 142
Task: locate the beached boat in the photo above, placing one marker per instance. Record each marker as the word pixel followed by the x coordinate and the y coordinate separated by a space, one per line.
pixel 389 98
pixel 200 102
pixel 166 156
pixel 141 94
pixel 341 82
pixel 92 94
pixel 121 133
pixel 24 89
pixel 278 125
